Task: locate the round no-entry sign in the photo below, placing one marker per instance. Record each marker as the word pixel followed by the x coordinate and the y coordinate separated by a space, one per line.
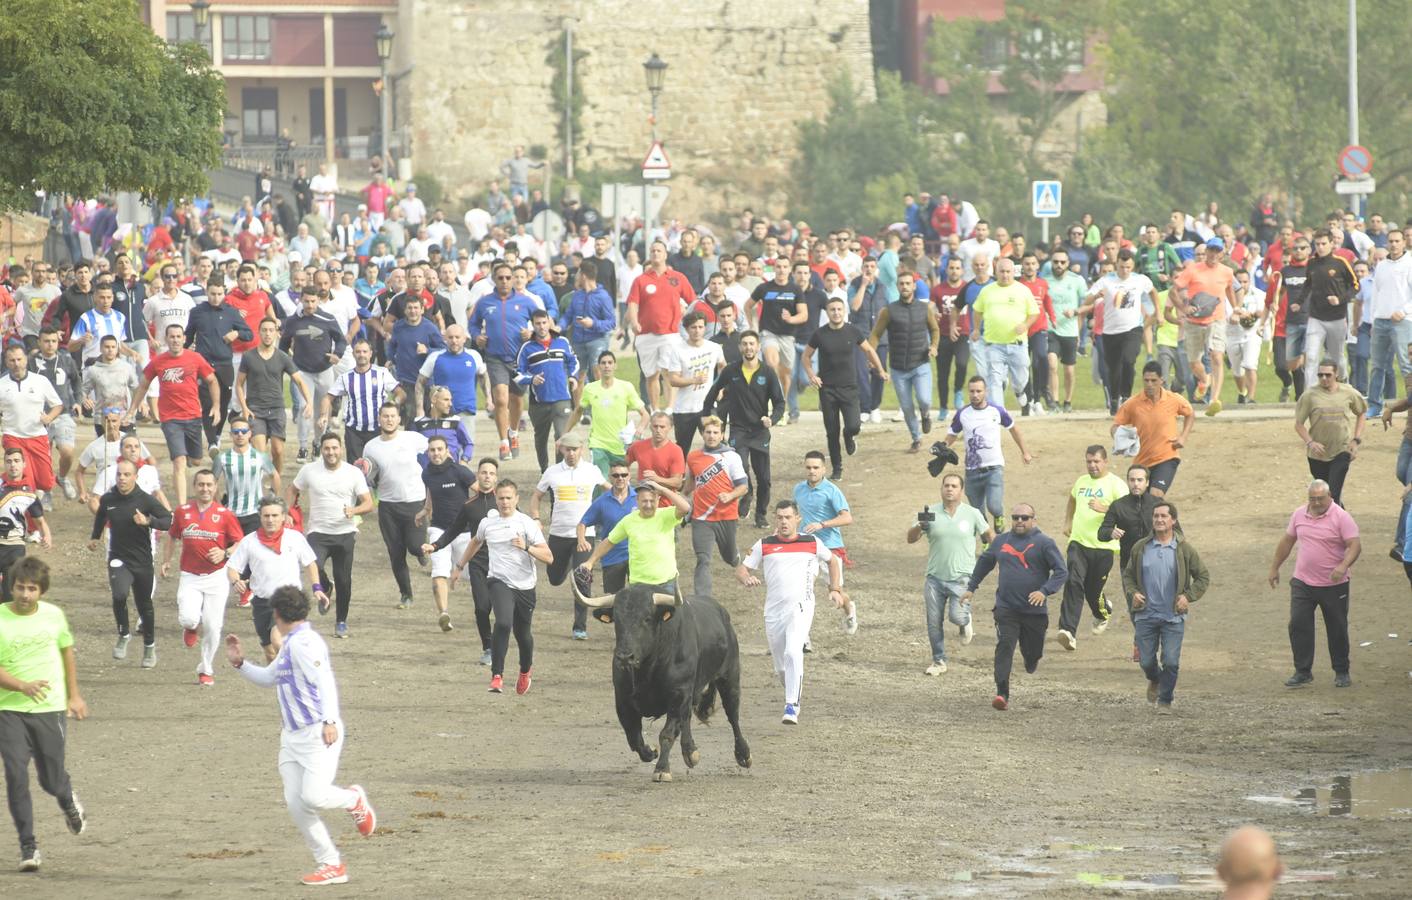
pixel 1355 161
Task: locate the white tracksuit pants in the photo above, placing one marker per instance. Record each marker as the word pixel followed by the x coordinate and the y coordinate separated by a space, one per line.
pixel 307 768
pixel 201 604
pixel 787 628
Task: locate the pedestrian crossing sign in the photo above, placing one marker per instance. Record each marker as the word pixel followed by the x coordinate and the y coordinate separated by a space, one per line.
pixel 1046 199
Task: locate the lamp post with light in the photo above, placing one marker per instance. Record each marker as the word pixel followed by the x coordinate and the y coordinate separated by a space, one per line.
pixel 200 18
pixel 384 47
pixel 656 71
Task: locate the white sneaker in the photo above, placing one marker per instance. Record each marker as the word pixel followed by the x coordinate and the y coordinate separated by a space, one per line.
pixel 120 648
pixel 898 417
pixel 70 489
pixel 149 657
pixel 850 619
pixel 791 714
pixel 968 633
pixel 937 668
pixel 875 417
pixel 1101 626
pixel 1067 641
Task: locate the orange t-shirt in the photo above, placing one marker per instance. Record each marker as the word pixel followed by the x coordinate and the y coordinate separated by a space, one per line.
pixel 1199 278
pixel 1156 424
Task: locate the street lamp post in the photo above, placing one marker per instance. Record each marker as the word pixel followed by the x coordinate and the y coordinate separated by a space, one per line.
pixel 384 48
pixel 200 17
pixel 656 71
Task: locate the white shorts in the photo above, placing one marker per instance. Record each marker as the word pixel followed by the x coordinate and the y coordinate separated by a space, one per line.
pixel 443 560
pixel 654 352
pixel 1245 356
pixel 62 431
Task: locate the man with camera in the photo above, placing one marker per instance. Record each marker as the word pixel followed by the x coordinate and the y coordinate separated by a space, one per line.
pixel 951 528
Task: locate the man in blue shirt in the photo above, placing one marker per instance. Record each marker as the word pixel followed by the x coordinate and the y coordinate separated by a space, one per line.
pixel 413 339
pixel 458 369
pixel 546 367
pixel 589 319
pixel 499 324
pixel 605 511
pixel 823 510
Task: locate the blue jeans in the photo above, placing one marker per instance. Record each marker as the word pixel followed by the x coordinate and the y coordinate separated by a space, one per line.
pixel 796 382
pixel 985 490
pixel 1389 343
pixel 943 597
pixel 905 382
pixel 1404 475
pixel 1002 360
pixel 587 353
pixel 1150 632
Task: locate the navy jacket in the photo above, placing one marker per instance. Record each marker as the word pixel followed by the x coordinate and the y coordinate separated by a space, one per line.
pixel 1027 564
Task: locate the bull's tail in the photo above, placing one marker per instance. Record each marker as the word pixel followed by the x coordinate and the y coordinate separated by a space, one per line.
pixel 707 704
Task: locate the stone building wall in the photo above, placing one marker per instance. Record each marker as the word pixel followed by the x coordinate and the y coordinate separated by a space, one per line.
pixel 472 81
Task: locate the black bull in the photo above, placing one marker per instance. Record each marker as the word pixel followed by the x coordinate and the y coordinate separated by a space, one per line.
pixel 671 657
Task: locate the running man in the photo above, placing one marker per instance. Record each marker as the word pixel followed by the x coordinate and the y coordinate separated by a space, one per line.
pixel 276 557
pixel 952 529
pixel 1154 413
pixel 259 392
pixel 718 481
pixel 572 483
pixel 311 739
pixel 131 515
pixel 18 499
pixel 1089 559
pixel 790 562
pixel 979 423
pixel 208 533
pixel 609 401
pixel 481 501
pixel 28 404
pixel 448 485
pixel 394 458
pixel 651 536
pixel 604 513
pixel 248 472
pixel 752 399
pixel 334 494
pixel 823 510
pixel 180 372
pixel 364 390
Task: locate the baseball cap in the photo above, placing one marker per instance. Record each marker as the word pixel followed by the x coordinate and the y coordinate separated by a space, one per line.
pixel 411 188
pixel 1215 244
pixel 295 258
pixel 571 440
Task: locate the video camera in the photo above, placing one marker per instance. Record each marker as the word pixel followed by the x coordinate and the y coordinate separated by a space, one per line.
pixel 941 455
pixel 926 517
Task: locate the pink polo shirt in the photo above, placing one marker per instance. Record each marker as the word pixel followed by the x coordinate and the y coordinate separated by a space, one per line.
pixel 1320 543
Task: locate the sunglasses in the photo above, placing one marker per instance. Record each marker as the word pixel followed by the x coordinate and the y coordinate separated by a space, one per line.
pixel 1020 518
pixel 618 475
pixel 240 431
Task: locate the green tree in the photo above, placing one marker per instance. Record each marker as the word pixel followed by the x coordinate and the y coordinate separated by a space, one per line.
pixel 91 100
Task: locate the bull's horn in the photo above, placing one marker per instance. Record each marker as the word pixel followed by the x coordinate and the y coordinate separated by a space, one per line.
pixel 666 599
pixel 602 602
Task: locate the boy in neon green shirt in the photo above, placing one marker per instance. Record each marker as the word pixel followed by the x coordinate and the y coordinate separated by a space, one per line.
pixel 38 686
pixel 651 533
pixel 1089 559
pixel 609 401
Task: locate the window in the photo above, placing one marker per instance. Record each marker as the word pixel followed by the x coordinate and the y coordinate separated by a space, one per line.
pixel 259 114
pixel 181 27
pixel 994 47
pixel 245 38
pixel 1042 46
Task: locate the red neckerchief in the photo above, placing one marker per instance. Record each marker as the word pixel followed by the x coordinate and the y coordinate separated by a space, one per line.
pixel 272 541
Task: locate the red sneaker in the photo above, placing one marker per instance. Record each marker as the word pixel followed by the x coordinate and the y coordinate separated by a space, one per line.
pixel 205 680
pixel 1000 703
pixel 188 636
pixel 515 446
pixel 245 599
pixel 497 684
pixel 331 873
pixel 523 685
pixel 362 812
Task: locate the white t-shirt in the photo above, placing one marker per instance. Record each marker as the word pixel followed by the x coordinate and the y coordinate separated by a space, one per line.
pixel 1122 300
pixel 970 248
pixel 738 294
pixel 326 492
pixel 981 431
pixel 269 570
pixel 508 564
pixel 161 311
pixel 399 471
pixel 342 305
pixel 1252 301
pixel 789 568
pixel 148 478
pixel 100 453
pixel 689 361
pixel 572 490
pixel 22 403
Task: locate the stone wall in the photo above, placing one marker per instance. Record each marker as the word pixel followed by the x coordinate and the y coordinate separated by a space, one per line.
pixel 472 82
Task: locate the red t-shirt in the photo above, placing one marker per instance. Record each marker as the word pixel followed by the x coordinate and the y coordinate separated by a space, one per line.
pixel 666 461
pixel 659 300
pixel 248 244
pixel 200 532
pixel 1040 288
pixel 179 376
pixel 254 308
pixel 944 297
pixel 826 266
pixel 703 306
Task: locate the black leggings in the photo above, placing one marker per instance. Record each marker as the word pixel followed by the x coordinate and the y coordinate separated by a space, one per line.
pixel 337 548
pixel 1088 573
pixel 841 415
pixel 514 610
pixel 754 449
pixel 1038 388
pixel 686 425
pixel 949 353
pixel 225 377
pixel 139 582
pixel 567 557
pixel 1283 370
pixel 480 598
pixel 403 536
pixel 1334 471
pixel 1120 360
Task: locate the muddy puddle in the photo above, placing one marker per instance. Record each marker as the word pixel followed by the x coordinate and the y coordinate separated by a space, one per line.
pixel 1363 795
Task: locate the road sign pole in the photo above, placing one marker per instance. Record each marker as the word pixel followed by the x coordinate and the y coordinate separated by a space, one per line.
pixel 1044 234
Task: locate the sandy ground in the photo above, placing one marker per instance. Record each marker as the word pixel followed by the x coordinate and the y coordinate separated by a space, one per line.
pixel 894 785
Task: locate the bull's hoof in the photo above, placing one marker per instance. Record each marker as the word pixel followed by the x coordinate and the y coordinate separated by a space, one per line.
pixel 692 758
pixel 662 776
pixel 742 757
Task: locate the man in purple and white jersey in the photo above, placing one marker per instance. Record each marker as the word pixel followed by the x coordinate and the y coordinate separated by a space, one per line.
pixel 980 422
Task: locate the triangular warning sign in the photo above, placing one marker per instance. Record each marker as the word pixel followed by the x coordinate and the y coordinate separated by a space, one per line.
pixel 656 159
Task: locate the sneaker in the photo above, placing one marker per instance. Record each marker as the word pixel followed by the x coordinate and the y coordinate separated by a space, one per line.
pixel 1284 395
pixel 120 648
pixel 850 619
pixel 793 419
pixel 524 422
pixel 958 399
pixel 1342 680
pixel 926 423
pixel 1066 640
pixel 897 418
pixel 1164 709
pixel 205 680
pixel 937 668
pixel 1039 409
pixel 522 684
pixel 1068 407
pixel 364 818
pixel 244 600
pixel 808 646
pixel 968 633
pixel 836 475
pixel 875 417
pixel 791 714
pixel 586 420
pixel 1214 408
pixel 850 444
pixel 303 455
pixel 444 620
pixel 504 450
pixel 1024 409
pixel 515 446
pixel 1152 692
pixel 1299 680
pixel 404 602
pixel 332 873
pixel 48 501
pixel 761 523
pixel 1101 626
pixel 916 446
pixel 29 859
pixel 149 656
pixel 485 659
pixel 70 489
pixel 1240 400
pixel 189 637
pixel 497 685
pixel 340 630
pixel 213 451
pixel 1395 554
pixel 580 634
pixel 73 815
pixel 1000 703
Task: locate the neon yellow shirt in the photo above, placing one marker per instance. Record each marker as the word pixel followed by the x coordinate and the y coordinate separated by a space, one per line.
pixel 1084 531
pixel 652 545
pixel 31 649
pixel 1003 312
pixel 610 408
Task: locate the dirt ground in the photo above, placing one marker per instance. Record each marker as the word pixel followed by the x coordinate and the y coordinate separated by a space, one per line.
pixel 894 785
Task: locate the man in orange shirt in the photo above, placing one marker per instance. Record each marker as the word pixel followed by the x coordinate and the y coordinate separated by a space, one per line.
pixel 655 304
pixel 1201 293
pixel 1154 414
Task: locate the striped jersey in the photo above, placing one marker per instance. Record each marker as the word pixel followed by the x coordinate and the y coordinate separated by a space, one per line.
pixel 789 568
pixel 100 325
pixel 303 679
pixel 366 392
pixel 245 478
pixel 713 474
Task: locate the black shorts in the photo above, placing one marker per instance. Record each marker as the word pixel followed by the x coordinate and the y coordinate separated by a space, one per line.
pixel 264 616
pixel 250 523
pixel 184 438
pixel 1066 348
pixel 9 555
pixel 268 422
pixel 1163 474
